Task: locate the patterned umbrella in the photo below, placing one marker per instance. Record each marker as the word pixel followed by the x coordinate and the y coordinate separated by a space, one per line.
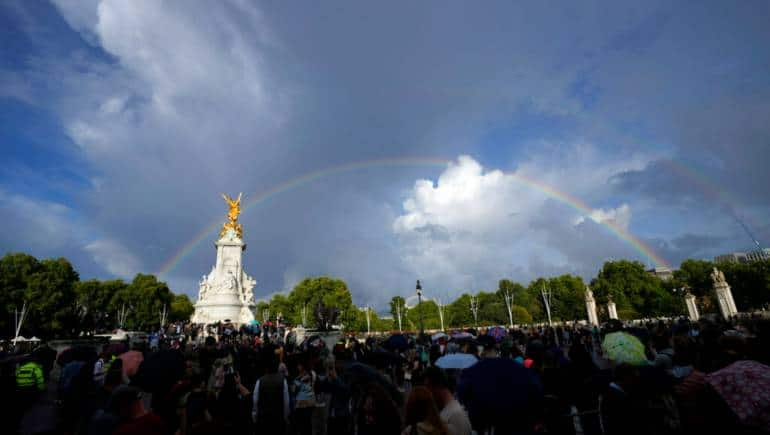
pixel 745 387
pixel 622 347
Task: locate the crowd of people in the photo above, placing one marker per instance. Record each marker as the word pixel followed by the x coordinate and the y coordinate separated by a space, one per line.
pixel 686 377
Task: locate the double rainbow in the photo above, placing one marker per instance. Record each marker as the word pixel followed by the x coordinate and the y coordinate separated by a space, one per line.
pixel 262 197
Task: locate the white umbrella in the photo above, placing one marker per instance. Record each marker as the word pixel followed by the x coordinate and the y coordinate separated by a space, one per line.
pixel 19 338
pixel 456 361
pixel 34 338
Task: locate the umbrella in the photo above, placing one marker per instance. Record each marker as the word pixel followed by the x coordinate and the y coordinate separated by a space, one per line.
pixel 359 375
pixel 486 341
pixel 497 332
pixel 456 361
pixel 745 388
pixel 160 370
pixel 131 361
pixel 396 342
pixel 461 335
pixel 34 339
pixel 500 393
pixel 622 347
pixel 437 336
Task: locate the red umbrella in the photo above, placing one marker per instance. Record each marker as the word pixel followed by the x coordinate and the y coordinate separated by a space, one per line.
pixel 131 361
pixel 745 387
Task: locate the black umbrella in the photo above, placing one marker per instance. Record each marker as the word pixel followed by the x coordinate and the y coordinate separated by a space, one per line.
pixel 500 393
pixel 397 342
pixel 486 340
pixel 160 370
pixel 358 375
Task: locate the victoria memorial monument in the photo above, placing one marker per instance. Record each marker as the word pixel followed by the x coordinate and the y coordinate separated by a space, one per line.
pixel 226 293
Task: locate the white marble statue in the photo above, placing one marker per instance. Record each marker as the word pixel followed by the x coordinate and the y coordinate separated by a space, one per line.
pixel 227 292
pixel 724 294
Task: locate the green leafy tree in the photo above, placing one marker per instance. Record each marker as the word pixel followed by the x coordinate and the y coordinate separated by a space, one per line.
pixel 15 270
pixel 459 312
pixel 181 308
pixel 331 292
pixel 429 309
pixel 635 292
pixel 50 296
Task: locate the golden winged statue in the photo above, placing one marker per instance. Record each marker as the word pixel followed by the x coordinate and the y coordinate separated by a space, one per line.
pixel 232 216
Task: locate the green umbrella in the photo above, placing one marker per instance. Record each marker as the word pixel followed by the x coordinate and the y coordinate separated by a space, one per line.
pixel 622 347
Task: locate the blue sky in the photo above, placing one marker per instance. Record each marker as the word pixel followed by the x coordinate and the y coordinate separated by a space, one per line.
pixel 121 123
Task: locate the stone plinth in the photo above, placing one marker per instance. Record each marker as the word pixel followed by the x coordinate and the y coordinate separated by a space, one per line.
pixel 593 319
pixel 692 307
pixel 612 310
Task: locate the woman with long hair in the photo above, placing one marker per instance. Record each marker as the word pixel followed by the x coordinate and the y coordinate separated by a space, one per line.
pixel 422 416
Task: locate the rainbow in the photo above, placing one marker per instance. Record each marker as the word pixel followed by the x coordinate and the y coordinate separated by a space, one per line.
pixel 709 189
pixel 262 197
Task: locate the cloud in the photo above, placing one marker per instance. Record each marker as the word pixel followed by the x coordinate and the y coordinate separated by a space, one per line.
pixel 620 216
pixel 494 226
pixel 114 257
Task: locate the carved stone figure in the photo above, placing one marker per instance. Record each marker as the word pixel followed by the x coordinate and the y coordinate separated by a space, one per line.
pixel 718 277
pixel 325 316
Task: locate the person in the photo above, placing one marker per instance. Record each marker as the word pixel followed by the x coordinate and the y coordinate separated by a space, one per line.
pixel 271 398
pixel 339 406
pixel 376 412
pixel 421 415
pixel 30 383
pixel 304 397
pixel 231 408
pixel 135 419
pixel 451 411
pixel 619 405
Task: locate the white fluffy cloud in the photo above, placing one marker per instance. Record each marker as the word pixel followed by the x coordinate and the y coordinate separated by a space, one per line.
pixel 620 216
pixel 474 226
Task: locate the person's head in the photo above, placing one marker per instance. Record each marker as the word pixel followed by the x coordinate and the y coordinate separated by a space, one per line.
pixel 420 407
pixel 437 381
pixel 626 376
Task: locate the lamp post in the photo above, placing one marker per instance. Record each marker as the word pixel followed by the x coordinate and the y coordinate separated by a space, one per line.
pixel 419 304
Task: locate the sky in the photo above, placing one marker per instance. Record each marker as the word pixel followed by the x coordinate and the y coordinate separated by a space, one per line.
pixel 381 143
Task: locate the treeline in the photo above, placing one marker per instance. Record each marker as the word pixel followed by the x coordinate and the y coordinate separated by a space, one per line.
pixel 59 304
pixel 637 294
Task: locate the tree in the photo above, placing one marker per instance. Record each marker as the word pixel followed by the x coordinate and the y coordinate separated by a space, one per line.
pixel 458 313
pixel 331 292
pixel 429 310
pixel 50 296
pixel 181 308
pixel 15 270
pixel 636 293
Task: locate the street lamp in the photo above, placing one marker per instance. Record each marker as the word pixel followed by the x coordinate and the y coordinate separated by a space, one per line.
pixel 419 304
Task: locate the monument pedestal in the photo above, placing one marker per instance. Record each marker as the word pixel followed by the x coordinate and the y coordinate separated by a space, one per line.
pixel 692 308
pixel 612 310
pixel 593 319
pixel 724 294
